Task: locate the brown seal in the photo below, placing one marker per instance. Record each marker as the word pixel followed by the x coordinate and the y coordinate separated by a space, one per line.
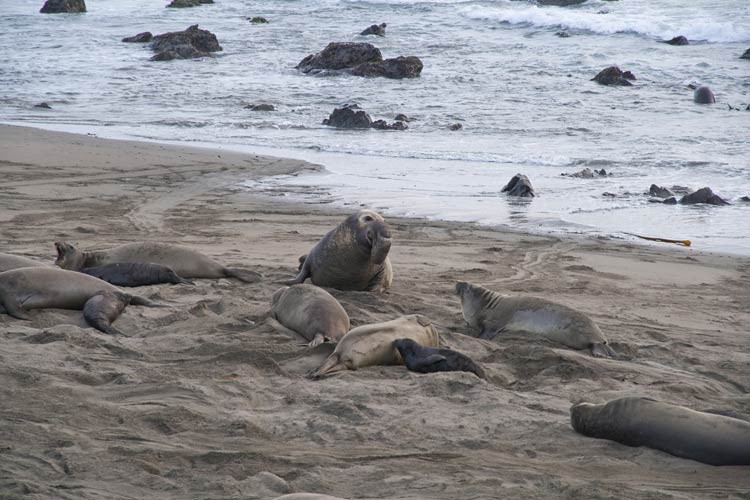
pixel 105 307
pixel 311 312
pixel 10 261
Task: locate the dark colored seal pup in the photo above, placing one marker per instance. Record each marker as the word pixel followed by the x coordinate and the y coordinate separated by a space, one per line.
pixel 135 274
pixel 105 307
pixel 423 359
pixel 704 437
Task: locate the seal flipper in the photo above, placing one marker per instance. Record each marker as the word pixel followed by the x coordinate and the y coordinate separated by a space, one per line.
pixel 332 364
pixel 423 364
pixel 243 274
pixel 304 273
pixel 602 350
pixel 14 308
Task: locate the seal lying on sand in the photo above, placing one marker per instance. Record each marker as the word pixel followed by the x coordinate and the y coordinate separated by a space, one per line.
pixel 492 313
pixel 311 312
pixel 370 345
pixel 307 496
pixel 704 437
pixel 185 262
pixel 353 256
pixel 135 274
pixel 430 359
pixel 105 307
pixel 48 287
pixel 9 261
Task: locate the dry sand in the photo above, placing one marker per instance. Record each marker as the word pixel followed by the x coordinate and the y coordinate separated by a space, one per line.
pixel 204 400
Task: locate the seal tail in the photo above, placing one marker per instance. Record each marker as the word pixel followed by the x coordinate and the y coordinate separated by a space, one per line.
pixel 332 364
pixel 243 274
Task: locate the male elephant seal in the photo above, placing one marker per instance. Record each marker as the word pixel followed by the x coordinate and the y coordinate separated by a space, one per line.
pixel 311 312
pixel 352 256
pixel 9 261
pixel 105 307
pixel 185 262
pixel 704 437
pixel 371 345
pixel 135 274
pixel 423 359
pixel 492 313
pixel 48 287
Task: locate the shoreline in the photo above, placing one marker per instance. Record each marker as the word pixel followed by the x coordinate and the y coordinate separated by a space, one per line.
pixel 204 399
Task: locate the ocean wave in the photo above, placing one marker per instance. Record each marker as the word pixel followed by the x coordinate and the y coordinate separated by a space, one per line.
pixel 648 24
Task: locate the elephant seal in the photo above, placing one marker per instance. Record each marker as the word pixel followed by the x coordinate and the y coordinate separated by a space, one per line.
pixel 10 261
pixel 704 437
pixel 311 312
pixel 105 307
pixel 492 313
pixel 371 345
pixel 185 262
pixel 423 359
pixel 135 274
pixel 352 256
pixel 48 287
pixel 704 95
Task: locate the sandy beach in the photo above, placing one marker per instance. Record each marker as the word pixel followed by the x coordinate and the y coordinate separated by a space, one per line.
pixel 205 400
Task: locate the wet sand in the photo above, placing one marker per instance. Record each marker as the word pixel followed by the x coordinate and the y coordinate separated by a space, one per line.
pixel 204 399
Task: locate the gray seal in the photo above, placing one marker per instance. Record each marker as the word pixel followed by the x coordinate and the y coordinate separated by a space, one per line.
pixel 135 274
pixel 311 312
pixel 10 261
pixel 419 358
pixel 704 437
pixel 105 307
pixel 185 262
pixel 352 256
pixel 492 313
pixel 49 287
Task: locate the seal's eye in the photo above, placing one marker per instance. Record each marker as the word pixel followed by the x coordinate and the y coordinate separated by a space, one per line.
pixel 368 218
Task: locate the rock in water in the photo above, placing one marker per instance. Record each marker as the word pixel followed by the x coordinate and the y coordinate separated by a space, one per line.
pixel 613 76
pixel 519 185
pixel 704 95
pixel 62 6
pixel 340 55
pixel 560 3
pixel 375 29
pixel 43 105
pixel 188 44
pixel 260 107
pixel 659 192
pixel 399 67
pixel 181 4
pixel 678 40
pixel 258 20
pixel 746 55
pixel 144 37
pixel 348 117
pixel 384 125
pixel 703 195
pixel 746 199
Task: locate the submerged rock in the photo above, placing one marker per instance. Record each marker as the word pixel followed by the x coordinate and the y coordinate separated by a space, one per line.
pixel 397 68
pixel 746 55
pixel 670 201
pixel 560 3
pixel 678 40
pixel 260 107
pixel 703 195
pixel 375 29
pixel 63 6
pixel 519 185
pixel 704 95
pixel 563 34
pixel 383 125
pixel 340 55
pixel 258 20
pixel 587 173
pixel 659 192
pixel 746 199
pixel 188 44
pixel 43 105
pixel 144 37
pixel 614 76
pixel 402 118
pixel 181 4
pixel 348 117
pixel 455 126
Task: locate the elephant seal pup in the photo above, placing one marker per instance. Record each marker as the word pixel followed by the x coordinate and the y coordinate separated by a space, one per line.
pixel 185 262
pixel 49 287
pixel 135 274
pixel 311 312
pixel 704 437
pixel 105 307
pixel 371 345
pixel 431 360
pixel 352 256
pixel 492 313
pixel 9 261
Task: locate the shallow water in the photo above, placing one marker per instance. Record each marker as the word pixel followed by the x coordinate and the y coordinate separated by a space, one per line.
pixel 522 94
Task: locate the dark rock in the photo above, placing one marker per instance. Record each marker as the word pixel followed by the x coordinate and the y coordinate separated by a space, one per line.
pixel 340 55
pixel 628 75
pixel 563 34
pixel 560 3
pixel 519 185
pixel 602 173
pixel 179 52
pixel 402 118
pixel 703 195
pixel 704 95
pixel 348 117
pixel 188 44
pixel 375 29
pixel 260 107
pixel 746 55
pixel 43 105
pixel 258 20
pixel 660 192
pixel 670 201
pixel 383 125
pixel 146 36
pixel 63 6
pixel 455 126
pixel 746 199
pixel 586 173
pixel 399 67
pixel 181 4
pixel 612 76
pixel 678 40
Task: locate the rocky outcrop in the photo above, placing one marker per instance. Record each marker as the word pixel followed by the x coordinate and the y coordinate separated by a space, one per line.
pixel 63 6
pixel 703 195
pixel 260 107
pixel 181 4
pixel 188 44
pixel 519 185
pixel 678 40
pixel 258 20
pixel 614 76
pixel 746 199
pixel 746 55
pixel 560 3
pixel 360 59
pixel 144 37
pixel 587 173
pixel 43 105
pixel 375 29
pixel 659 192
pixel 352 117
pixel 704 95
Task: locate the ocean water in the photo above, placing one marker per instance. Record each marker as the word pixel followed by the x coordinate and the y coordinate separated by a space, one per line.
pixel 522 94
